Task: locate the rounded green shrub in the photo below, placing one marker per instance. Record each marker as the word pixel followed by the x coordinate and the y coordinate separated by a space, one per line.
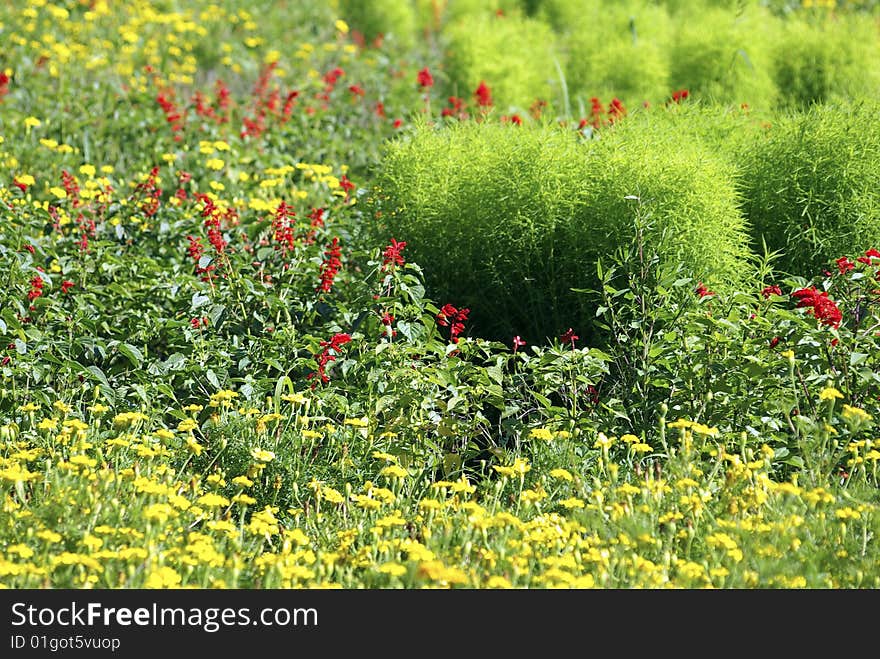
pixel 513 55
pixel 619 51
pixel 810 185
pixel 827 59
pixel 507 220
pixel 724 56
pixel 395 19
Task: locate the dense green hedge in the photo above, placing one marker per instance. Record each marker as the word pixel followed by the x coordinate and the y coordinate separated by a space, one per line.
pixel 820 59
pixel 512 54
pixel 810 184
pixel 507 220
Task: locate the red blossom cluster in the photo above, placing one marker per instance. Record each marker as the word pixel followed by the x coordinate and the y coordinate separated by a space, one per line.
pixel 36 288
pixel 150 193
pixel 329 351
pixel 569 337
pixel 392 255
pixel 483 95
pixel 702 291
pixel 330 265
pixel 425 79
pixel 68 182
pixel 870 254
pixel 518 343
pixel 823 308
pixel 283 228
pixel 601 116
pixel 514 119
pixel 679 95
pixel 767 291
pixel 455 109
pixel 387 322
pixel 4 85
pixel 173 115
pixel 453 318
pixel 316 221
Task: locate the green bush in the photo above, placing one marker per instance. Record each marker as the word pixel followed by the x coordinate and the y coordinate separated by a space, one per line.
pixel 386 18
pixel 810 185
pixel 823 59
pixel 725 56
pixel 618 50
pixel 507 220
pixel 513 55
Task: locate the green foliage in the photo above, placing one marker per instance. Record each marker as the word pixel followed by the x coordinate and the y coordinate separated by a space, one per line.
pixel 821 59
pixel 380 18
pixel 614 51
pixel 723 56
pixel 810 185
pixel 513 55
pixel 508 220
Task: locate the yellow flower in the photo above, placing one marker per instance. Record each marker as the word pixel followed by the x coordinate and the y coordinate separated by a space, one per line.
pixel 32 122
pixel 342 26
pixel 394 471
pixel 243 481
pixel 829 393
pixel 561 474
pixel 163 577
pixel 215 163
pixel 541 433
pixel 392 569
pixel 212 500
pixel 261 455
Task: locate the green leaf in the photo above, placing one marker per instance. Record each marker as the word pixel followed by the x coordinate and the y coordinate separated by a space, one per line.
pixel 857 358
pixel 135 356
pixel 212 378
pixel 20 347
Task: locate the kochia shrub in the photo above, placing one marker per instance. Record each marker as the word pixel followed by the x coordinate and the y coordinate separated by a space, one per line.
pixel 381 18
pixel 507 220
pixel 725 56
pixel 822 59
pixel 810 184
pixel 616 50
pixel 512 54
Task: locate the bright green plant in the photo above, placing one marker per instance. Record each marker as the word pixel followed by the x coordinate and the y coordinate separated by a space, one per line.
pixel 506 220
pixel 821 59
pixel 513 56
pixel 809 185
pixel 616 51
pixel 724 56
pixel 381 19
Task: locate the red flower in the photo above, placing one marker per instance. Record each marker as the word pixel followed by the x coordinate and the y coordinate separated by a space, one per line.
pixel 66 285
pixel 517 343
pixel 345 184
pixel 331 77
pixel 36 288
pixel 821 306
pixel 870 254
pixel 569 337
pixel 767 291
pixel 774 342
pixel 844 265
pixel 680 95
pixel 453 318
pixel 397 123
pixel 483 95
pixel 357 90
pixel 702 291
pixel 425 79
pixel 330 265
pixel 392 254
